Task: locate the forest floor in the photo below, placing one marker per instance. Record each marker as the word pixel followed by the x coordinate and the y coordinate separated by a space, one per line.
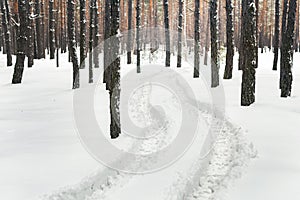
pixel 41 153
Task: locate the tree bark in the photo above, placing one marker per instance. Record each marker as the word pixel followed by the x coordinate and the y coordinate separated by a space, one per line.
pixel 138 26
pixel 196 39
pixel 6 30
pixel 248 77
pixel 51 29
pixel 230 40
pixel 180 19
pixel 82 33
pixel 283 32
pixel 215 60
pixel 276 39
pixel 167 33
pixel 72 42
pixel 21 42
pixel 91 40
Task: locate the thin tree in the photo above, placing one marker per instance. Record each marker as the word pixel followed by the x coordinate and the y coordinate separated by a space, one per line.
pixel 30 36
pixel 288 51
pixel 196 39
pixel 215 60
pixel 96 35
pixel 91 40
pixel 115 126
pixel 248 77
pixel 129 46
pixel 230 40
pixel 82 33
pixel 276 36
pixel 283 32
pixel 107 34
pixel 167 32
pixel 21 42
pixel 180 27
pixel 72 42
pixel 6 30
pixel 51 29
pixel 138 27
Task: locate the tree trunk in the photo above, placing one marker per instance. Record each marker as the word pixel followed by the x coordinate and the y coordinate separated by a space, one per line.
pixel 6 30
pixel 115 126
pixel 167 33
pixel 129 46
pixel 283 32
pixel 72 42
pixel 197 39
pixel 138 26
pixel 96 35
pixel 91 40
pixel 276 40
pixel 288 51
pixel 21 42
pixel 215 60
pixel 30 39
pixel 230 40
pixel 82 33
pixel 107 33
pixel 51 29
pixel 248 78
pixel 180 19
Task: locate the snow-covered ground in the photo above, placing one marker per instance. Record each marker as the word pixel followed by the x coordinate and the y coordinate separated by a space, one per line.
pixel 40 152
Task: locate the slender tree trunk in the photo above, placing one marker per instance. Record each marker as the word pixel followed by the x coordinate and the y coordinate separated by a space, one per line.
pixel 96 35
pixel 276 40
pixel 115 126
pixel 82 33
pixel 248 78
pixel 283 32
pixel 6 30
pixel 30 39
pixel 129 46
pixel 180 19
pixel 51 29
pixel 91 40
pixel 72 42
pixel 167 33
pixel 197 39
pixel 21 42
pixel 288 51
pixel 138 26
pixel 215 60
pixel 230 40
pixel 107 33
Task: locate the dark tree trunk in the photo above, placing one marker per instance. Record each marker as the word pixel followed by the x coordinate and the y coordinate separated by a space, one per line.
pixel 215 60
pixel 248 78
pixel 72 42
pixel 30 39
pixel 167 33
pixel 206 42
pixel 276 39
pixel 21 42
pixel 82 33
pixel 115 126
pixel 129 46
pixel 256 29
pixel 288 51
pixel 107 33
pixel 39 31
pixel 6 30
pixel 283 32
pixel 138 26
pixel 180 19
pixel 196 39
pixel 96 35
pixel 51 29
pixel 242 38
pixel 230 40
pixel 91 40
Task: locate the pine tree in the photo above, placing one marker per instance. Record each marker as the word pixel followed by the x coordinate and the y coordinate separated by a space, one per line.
pixel 115 126
pixel 82 33
pixel 138 26
pixel 72 42
pixel 91 40
pixel 230 40
pixel 129 46
pixel 180 19
pixel 197 39
pixel 167 32
pixel 215 60
pixel 51 29
pixel 288 51
pixel 107 34
pixel 248 78
pixel 30 37
pixel 6 29
pixel 21 42
pixel 96 35
pixel 283 33
pixel 276 40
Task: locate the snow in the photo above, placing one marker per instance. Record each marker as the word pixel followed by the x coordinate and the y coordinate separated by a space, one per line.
pixel 41 154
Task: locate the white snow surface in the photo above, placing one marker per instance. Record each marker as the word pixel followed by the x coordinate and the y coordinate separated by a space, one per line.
pixel 41 156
